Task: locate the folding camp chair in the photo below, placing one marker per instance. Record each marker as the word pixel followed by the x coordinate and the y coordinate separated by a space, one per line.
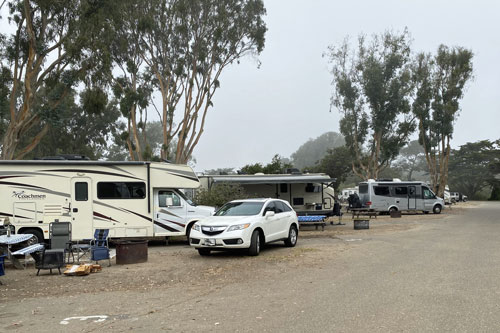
pixel 60 238
pixel 99 249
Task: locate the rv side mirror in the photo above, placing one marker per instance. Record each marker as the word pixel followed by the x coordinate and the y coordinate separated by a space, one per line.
pixel 170 202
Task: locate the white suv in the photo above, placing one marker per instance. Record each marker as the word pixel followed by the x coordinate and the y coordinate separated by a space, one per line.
pixel 246 224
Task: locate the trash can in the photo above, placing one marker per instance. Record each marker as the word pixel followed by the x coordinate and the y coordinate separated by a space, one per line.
pixel 131 252
pixel 361 224
pixel 396 213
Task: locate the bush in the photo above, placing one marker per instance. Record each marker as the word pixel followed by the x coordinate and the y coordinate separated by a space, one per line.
pixel 220 194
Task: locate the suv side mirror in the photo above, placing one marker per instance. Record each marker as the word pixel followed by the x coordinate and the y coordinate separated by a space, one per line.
pixel 269 213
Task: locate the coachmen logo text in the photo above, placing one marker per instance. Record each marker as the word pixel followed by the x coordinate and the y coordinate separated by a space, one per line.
pixel 24 196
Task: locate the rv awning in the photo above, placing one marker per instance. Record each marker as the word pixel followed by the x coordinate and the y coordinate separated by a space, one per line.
pixel 274 179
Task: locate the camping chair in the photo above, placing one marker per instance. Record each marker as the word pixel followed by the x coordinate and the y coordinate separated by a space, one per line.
pixel 60 238
pixel 99 249
pixel 2 266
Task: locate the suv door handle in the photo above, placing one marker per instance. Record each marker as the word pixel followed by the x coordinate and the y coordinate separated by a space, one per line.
pixel 75 210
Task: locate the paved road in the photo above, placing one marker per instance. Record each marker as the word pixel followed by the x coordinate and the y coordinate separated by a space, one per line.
pixel 443 275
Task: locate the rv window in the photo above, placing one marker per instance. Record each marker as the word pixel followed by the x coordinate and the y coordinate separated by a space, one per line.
pixel 81 191
pixel 283 188
pixel 121 190
pixel 310 188
pixel 381 190
pixel 401 191
pixel 363 189
pixel 298 201
pixel 162 198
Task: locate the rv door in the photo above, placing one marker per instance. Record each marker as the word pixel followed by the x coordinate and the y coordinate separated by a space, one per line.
pixel 170 213
pixel 412 197
pixel 82 214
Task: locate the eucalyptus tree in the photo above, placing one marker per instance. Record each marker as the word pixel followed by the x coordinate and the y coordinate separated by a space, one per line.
pixel 131 82
pixel 54 46
pixel 187 44
pixel 440 83
pixel 372 89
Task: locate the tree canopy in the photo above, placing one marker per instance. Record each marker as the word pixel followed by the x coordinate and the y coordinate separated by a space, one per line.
pixel 315 149
pixel 472 167
pixel 440 83
pixel 372 89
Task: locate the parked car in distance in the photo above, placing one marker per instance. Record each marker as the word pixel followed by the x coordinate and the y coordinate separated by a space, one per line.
pixel 455 196
pixel 246 224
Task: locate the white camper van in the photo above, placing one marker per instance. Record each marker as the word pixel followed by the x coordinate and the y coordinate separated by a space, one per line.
pixel 308 194
pixel 131 199
pixel 387 196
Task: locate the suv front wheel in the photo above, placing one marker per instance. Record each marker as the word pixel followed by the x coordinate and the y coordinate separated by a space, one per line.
pixel 291 241
pixel 254 248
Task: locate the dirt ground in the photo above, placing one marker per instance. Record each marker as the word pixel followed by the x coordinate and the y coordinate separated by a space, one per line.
pixel 180 266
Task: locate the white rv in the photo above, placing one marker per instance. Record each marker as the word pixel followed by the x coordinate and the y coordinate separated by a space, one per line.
pixel 345 193
pixel 308 194
pixel 387 196
pixel 131 199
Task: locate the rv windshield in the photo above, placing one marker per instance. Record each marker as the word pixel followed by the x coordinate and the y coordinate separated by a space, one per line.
pixel 240 209
pixel 180 193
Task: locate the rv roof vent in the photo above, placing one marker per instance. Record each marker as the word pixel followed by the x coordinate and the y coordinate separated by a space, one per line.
pixel 293 171
pixel 72 157
pixel 371 180
pixel 259 174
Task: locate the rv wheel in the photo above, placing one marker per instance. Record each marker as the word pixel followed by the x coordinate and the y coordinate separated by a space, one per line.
pixel 37 236
pixel 393 210
pixel 436 209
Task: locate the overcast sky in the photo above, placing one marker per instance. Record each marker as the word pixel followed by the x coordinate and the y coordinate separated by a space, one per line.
pixel 274 109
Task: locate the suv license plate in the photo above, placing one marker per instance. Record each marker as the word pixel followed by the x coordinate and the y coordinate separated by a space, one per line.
pixel 210 242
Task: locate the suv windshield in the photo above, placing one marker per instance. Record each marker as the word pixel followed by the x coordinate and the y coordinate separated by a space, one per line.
pixel 240 209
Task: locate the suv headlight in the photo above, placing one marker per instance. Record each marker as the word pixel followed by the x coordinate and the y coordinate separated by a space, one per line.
pixel 238 227
pixel 196 227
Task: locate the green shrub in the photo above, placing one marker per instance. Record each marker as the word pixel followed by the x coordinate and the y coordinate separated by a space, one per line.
pixel 220 194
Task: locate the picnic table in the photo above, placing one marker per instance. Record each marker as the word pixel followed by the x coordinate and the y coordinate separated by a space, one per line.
pixel 9 240
pixel 316 220
pixel 357 212
pixel 28 250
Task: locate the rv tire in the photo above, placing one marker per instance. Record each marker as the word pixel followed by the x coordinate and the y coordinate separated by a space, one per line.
pixel 204 252
pixel 188 231
pixel 437 209
pixel 393 210
pixel 37 236
pixel 291 241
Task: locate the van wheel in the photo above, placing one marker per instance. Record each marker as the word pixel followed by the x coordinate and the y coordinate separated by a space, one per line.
pixel 37 236
pixel 254 248
pixel 437 209
pixel 204 252
pixel 393 210
pixel 291 241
